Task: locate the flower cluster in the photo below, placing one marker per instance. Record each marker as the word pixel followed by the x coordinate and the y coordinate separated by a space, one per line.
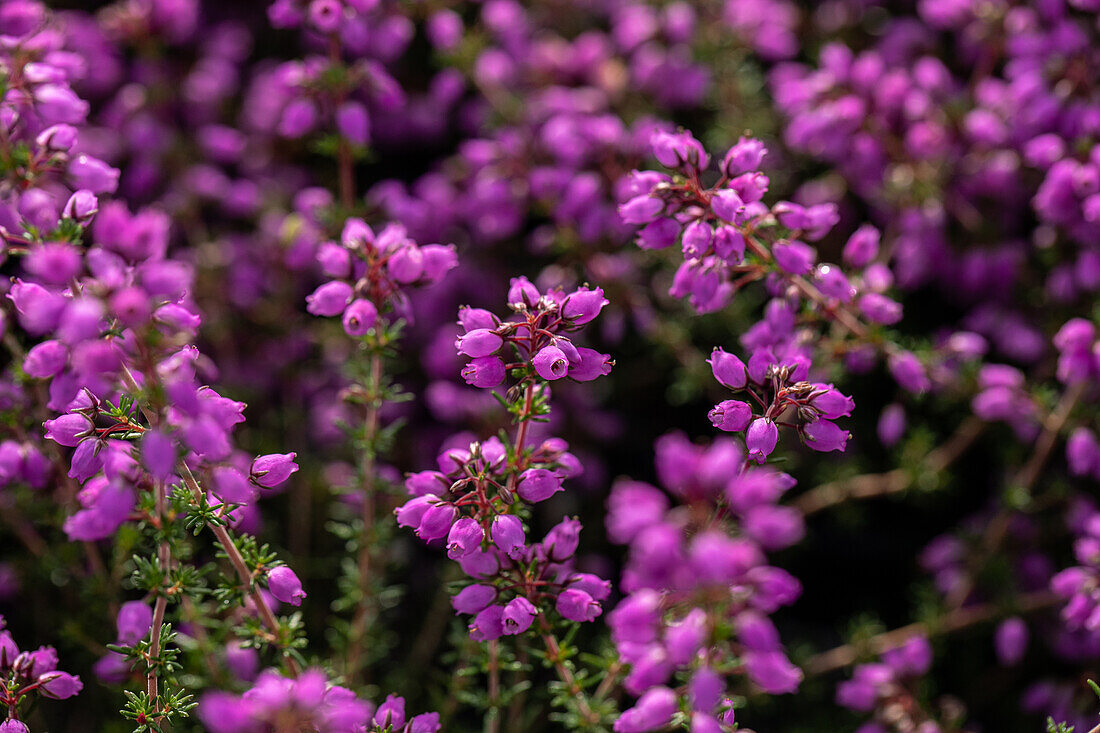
pixel 307 703
pixel 886 688
pixel 534 340
pixel 25 675
pixel 369 273
pixel 779 388
pixel 478 498
pixel 699 584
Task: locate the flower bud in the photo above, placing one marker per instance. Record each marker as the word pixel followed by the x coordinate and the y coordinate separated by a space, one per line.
pixel 436 522
pixel 583 305
pixel 507 532
pixel 473 598
pixel 728 369
pixel 479 342
pixel 273 469
pixel 761 439
pixel 285 586
pixel 733 416
pixel 82 207
pixel 329 299
pixel 59 685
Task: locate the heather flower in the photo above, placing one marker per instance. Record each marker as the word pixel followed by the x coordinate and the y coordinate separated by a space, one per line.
pixel 60 685
pixel 908 372
pixel 464 536
pixel 436 521
pixel 653 711
pixel 731 415
pixel 479 342
pixel 761 439
pixel 134 620
pixel 518 615
pixel 551 363
pixel 538 484
pixel 485 372
pixel 329 299
pixel 473 598
pixel 1010 641
pixel 577 605
pixel 285 586
pixel 583 305
pixel 273 469
pixel 488 624
pixel 391 713
pixel 728 369
pixel 508 536
pixel 359 317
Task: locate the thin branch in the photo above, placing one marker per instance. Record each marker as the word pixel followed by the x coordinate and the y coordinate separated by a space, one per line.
pixel 848 654
pixel 997 529
pixel 367 517
pixel 872 485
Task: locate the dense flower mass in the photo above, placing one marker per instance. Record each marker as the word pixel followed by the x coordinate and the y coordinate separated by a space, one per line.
pixel 793 304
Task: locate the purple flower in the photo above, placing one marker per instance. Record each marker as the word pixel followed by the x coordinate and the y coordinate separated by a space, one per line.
pixel 761 439
pixel 134 620
pixel 728 369
pixel 464 537
pixel 60 685
pixel 641 209
pixel 232 486
pixel 522 293
pixel 772 672
pixel 507 533
pixel 562 540
pixel 727 205
pixel 479 342
pixel 518 615
pixel 391 713
pixel 745 156
pixel 485 372
pixel 436 521
pixel 731 415
pixel 908 372
pixel 795 257
pixel 824 435
pixel 87 459
pixel 1010 641
pixel 273 469
pixel 329 299
pixel 862 247
pixel 589 364
pixel 285 586
pixel 551 363
pixel 880 309
pixel 488 624
pixel 68 430
pixel 359 317
pixel 473 598
pixel 577 605
pixel 45 359
pixel 583 305
pixel 653 710
pixel 538 484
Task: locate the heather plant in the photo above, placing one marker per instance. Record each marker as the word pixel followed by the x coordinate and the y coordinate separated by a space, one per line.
pixel 617 366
